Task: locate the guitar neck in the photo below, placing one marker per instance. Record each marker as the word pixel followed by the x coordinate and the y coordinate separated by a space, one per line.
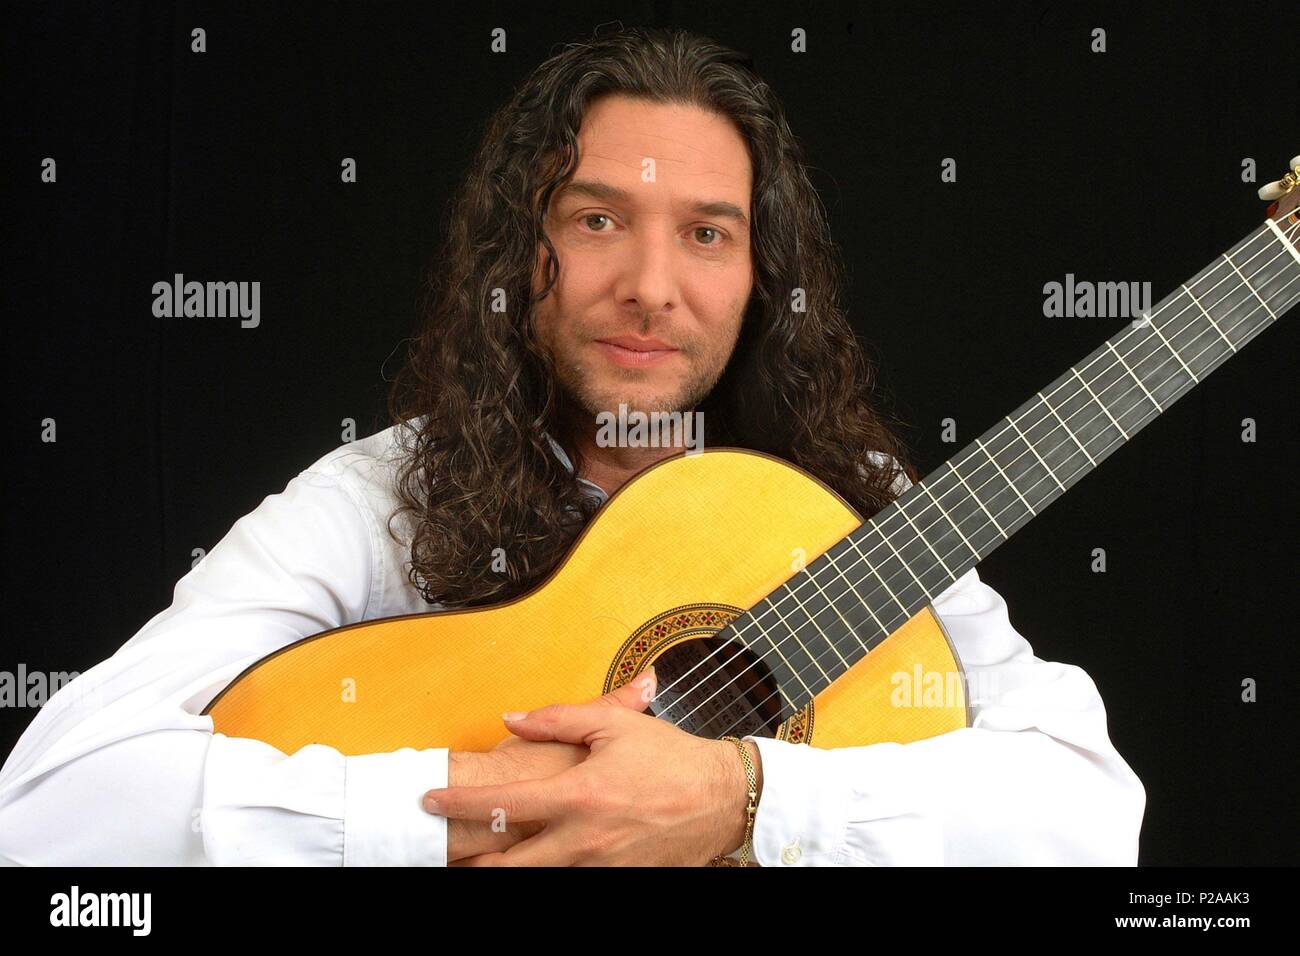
pixel 897 562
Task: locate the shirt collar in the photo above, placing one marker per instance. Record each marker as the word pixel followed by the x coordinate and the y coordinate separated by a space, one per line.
pixel 564 459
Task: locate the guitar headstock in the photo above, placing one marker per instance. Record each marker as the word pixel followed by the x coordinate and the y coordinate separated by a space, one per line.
pixel 1285 192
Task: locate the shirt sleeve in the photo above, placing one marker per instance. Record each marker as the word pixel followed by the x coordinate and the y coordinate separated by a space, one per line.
pixel 1034 781
pixel 120 767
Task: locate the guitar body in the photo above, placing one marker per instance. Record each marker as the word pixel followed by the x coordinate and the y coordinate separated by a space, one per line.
pixel 673 557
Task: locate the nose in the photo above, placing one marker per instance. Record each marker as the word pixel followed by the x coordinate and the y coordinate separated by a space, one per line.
pixel 648 279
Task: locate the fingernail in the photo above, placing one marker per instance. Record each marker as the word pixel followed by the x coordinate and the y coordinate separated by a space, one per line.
pixel 514 715
pixel 431 805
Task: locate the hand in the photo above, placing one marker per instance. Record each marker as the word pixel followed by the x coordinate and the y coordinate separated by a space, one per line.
pixel 649 794
pixel 517 758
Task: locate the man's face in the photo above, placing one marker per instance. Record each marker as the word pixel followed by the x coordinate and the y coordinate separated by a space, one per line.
pixel 652 240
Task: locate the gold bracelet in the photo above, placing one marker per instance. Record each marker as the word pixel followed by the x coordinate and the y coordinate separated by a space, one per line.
pixel 751 779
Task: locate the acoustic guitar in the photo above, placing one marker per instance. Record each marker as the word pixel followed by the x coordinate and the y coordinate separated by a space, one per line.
pixel 766 604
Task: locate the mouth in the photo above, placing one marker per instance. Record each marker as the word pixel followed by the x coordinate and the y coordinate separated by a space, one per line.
pixel 629 354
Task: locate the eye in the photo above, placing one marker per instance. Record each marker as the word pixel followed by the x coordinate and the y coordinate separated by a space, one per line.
pixel 594 215
pixel 710 229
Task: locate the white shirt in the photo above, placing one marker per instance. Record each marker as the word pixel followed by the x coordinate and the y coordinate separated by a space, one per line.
pixel 119 767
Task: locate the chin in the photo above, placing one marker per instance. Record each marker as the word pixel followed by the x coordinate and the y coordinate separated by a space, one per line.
pixel 665 400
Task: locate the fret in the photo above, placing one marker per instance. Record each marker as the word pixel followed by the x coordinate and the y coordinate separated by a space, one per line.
pixel 873 564
pixel 845 636
pixel 974 497
pixel 796 621
pixel 1073 438
pixel 965 513
pixel 1117 391
pixel 1010 483
pixel 944 558
pixel 1054 446
pixel 1174 352
pixel 785 646
pixel 1288 246
pixel 1001 497
pixel 1209 318
pixel 1015 459
pixel 1247 284
pixel 842 616
pixel 914 570
pixel 1199 342
pixel 858 601
pixel 826 618
pixel 1131 375
pixel 791 652
pixel 1091 421
pixel 1110 406
pixel 1030 446
pixel 839 618
pixel 1277 277
pixel 925 531
pixel 955 525
pixel 862 591
pixel 1100 403
pixel 902 561
pixel 899 558
pixel 1161 373
pixel 852 613
pixel 1221 293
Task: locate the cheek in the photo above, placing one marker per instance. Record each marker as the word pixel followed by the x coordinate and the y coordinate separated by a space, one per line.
pixel 723 305
pixel 584 286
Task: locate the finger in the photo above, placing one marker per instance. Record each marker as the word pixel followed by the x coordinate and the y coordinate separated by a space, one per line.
pixel 466 838
pixel 635 694
pixel 571 723
pixel 547 848
pixel 517 802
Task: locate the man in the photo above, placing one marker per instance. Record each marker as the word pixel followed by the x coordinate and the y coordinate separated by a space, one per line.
pixel 634 232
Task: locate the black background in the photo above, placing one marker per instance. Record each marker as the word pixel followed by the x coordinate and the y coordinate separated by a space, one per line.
pixel 1122 166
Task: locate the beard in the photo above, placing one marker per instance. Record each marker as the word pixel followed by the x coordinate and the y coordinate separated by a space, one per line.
pixel 592 393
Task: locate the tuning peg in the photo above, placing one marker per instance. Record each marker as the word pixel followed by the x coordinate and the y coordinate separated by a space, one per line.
pixel 1278 189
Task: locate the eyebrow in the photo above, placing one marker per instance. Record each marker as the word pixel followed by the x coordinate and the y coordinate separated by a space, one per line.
pixel 595 189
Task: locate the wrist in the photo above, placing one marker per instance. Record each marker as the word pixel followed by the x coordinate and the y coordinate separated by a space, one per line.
pixel 735 803
pixel 464 768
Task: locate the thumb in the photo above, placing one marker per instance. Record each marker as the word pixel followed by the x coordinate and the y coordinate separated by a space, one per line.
pixel 635 694
pixel 575 723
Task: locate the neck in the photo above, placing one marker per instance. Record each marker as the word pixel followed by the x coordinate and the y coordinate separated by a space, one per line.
pixel 609 466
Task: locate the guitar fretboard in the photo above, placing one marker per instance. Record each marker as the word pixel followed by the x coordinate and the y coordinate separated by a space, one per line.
pixel 823 620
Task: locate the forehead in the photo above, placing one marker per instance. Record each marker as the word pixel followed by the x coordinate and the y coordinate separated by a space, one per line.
pixel 698 155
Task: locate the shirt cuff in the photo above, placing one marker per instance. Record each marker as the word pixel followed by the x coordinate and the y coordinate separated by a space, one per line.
pixel 384 821
pixel 802 817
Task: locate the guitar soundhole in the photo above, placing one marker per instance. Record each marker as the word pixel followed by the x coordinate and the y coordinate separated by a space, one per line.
pixel 710 687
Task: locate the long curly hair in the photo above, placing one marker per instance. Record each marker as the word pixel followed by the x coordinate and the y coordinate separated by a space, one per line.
pixel 492 508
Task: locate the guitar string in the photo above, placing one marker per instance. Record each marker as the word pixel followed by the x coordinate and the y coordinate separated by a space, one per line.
pixel 813 615
pixel 885 537
pixel 798 672
pixel 887 630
